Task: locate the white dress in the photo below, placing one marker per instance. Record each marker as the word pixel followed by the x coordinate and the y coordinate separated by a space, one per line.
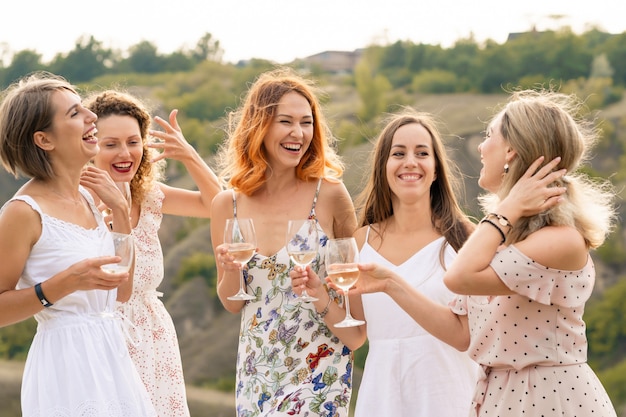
pixel 409 372
pixel 151 336
pixel 78 364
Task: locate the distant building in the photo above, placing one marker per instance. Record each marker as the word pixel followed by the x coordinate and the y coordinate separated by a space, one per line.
pixel 334 61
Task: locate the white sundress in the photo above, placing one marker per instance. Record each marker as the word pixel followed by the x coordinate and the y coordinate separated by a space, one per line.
pixel 409 372
pixel 78 364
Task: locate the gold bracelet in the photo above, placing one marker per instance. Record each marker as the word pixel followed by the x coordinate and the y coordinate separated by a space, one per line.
pixel 501 219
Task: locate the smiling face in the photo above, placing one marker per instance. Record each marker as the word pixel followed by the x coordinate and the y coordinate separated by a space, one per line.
pixel 290 132
pixel 411 167
pixel 71 134
pixel 121 147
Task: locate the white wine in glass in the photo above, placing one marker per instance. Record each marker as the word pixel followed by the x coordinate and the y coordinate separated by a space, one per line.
pixel 125 249
pixel 342 257
pixel 241 239
pixel 302 244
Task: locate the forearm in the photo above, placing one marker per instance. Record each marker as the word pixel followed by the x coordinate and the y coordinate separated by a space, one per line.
pixel 205 179
pixel 435 318
pixel 330 312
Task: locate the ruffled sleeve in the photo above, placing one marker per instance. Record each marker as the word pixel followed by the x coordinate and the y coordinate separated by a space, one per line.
pixel 459 305
pixel 542 284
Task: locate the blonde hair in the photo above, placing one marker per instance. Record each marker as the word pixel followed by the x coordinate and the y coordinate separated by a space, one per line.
pixel 547 123
pixel 243 156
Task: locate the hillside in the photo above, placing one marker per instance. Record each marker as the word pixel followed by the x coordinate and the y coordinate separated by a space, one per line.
pixel 208 334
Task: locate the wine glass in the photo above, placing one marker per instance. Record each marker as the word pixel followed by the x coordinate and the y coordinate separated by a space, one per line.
pixel 125 249
pixel 302 244
pixel 241 239
pixel 342 256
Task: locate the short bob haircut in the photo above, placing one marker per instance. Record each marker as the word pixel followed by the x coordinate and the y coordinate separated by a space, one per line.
pixel 26 109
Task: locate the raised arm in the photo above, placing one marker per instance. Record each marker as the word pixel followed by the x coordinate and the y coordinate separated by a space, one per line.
pixel 178 201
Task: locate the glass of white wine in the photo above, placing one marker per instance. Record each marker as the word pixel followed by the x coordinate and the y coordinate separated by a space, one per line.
pixel 302 243
pixel 241 238
pixel 342 257
pixel 125 249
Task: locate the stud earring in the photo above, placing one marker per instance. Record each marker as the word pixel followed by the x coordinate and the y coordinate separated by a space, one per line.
pixel 506 168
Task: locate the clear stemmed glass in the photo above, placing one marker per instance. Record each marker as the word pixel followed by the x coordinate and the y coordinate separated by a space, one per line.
pixel 125 249
pixel 302 243
pixel 342 257
pixel 241 239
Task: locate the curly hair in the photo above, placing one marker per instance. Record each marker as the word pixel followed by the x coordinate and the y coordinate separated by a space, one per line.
pixel 117 103
pixel 243 157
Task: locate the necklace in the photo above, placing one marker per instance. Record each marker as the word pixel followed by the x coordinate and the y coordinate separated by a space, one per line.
pixel 72 200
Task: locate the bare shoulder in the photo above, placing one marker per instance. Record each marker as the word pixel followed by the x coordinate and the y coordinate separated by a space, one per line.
pixel 18 220
pixel 223 200
pixel 359 235
pixel 558 247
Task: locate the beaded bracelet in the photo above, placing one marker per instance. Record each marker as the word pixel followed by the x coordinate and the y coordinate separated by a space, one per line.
pixel 323 313
pixel 486 220
pixel 42 298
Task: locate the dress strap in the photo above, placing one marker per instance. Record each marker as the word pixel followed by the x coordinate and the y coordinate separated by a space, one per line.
pixel 367 233
pixel 312 215
pixel 28 200
pixel 234 204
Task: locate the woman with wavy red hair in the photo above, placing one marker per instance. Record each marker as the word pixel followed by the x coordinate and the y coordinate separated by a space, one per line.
pixel 280 164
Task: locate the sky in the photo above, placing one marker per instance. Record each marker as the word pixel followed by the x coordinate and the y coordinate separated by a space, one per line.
pixel 283 30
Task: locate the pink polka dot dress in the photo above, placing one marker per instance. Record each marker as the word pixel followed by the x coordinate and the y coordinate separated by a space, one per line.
pixel 531 345
pixel 151 336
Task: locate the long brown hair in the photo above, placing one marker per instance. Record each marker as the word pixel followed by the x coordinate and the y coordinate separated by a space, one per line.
pixel 375 201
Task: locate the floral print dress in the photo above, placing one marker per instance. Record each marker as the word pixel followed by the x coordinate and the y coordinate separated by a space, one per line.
pixel 288 361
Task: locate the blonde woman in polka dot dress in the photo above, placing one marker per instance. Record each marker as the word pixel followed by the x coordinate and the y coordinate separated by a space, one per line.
pixel 525 273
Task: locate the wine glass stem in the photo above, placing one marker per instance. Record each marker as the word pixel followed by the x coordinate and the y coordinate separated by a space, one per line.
pixel 345 295
pixel 241 279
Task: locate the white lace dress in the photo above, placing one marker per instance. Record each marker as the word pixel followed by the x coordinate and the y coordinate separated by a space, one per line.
pixel 151 335
pixel 78 364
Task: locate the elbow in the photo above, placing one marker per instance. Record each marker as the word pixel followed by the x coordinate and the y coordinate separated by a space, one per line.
pixel 462 344
pixel 453 283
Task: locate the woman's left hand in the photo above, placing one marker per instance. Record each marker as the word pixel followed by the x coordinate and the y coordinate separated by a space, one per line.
pixel 534 192
pixel 100 183
pixel 173 144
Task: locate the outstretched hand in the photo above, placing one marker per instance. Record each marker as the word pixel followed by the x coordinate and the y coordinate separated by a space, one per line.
pixel 535 191
pixel 372 278
pixel 173 144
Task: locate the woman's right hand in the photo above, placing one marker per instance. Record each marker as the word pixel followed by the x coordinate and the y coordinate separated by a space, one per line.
pixel 224 260
pixel 89 274
pixel 306 279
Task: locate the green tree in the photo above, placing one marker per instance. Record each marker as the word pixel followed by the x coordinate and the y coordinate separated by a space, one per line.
pixel 372 89
pixel 144 58
pixel 24 62
pixel 88 60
